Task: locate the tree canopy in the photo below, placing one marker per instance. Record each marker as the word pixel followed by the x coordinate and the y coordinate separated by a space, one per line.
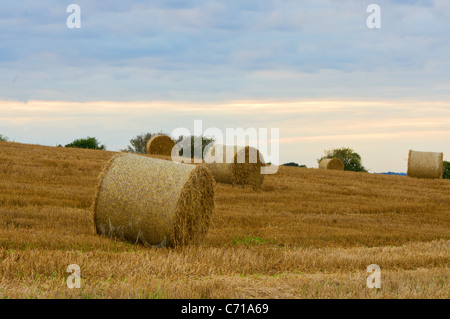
pixel 293 164
pixel 352 160
pixel 88 142
pixel 202 141
pixel 446 170
pixel 139 143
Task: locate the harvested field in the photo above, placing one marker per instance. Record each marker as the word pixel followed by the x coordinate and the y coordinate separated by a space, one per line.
pixel 305 233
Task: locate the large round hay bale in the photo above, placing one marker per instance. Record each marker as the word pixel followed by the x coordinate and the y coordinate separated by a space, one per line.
pixel 160 145
pixel 243 169
pixel 154 202
pixel 425 164
pixel 332 163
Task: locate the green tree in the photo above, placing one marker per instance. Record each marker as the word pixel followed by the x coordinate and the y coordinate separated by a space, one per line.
pixel 351 159
pixel 184 141
pixel 446 170
pixel 88 142
pixel 3 138
pixel 139 143
pixel 293 164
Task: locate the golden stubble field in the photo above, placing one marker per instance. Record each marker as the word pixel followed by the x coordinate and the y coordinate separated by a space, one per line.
pixel 306 234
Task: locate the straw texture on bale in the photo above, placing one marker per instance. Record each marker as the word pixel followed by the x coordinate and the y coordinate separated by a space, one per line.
pixel 332 163
pixel 425 164
pixel 244 168
pixel 160 145
pixel 154 202
pixel 178 159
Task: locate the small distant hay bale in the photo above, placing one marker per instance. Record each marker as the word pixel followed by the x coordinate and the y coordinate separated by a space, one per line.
pixel 154 202
pixel 244 168
pixel 332 163
pixel 160 145
pixel 425 164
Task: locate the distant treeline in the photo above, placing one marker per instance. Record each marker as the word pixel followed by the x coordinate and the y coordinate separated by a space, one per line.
pixel 351 159
pixel 392 173
pixel 446 170
pixel 293 164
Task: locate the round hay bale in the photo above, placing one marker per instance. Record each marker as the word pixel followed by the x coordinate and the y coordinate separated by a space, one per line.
pixel 154 202
pixel 244 168
pixel 332 163
pixel 160 145
pixel 425 164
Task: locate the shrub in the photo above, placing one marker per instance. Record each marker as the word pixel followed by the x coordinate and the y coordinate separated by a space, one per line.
pixel 89 142
pixel 293 164
pixel 139 143
pixel 201 140
pixel 446 170
pixel 351 159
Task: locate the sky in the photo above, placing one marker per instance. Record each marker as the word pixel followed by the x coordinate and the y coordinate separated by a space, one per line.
pixel 312 69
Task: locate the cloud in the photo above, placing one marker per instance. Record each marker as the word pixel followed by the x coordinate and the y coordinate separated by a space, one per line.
pixel 173 49
pixel 161 64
